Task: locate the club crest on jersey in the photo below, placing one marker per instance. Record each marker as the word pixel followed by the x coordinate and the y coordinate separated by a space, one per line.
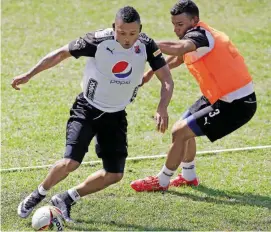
pixel 122 69
pixel 137 49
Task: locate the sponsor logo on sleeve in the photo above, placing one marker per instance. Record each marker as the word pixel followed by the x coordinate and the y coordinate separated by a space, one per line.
pixel 157 53
pixel 103 33
pixel 80 44
pixel 144 37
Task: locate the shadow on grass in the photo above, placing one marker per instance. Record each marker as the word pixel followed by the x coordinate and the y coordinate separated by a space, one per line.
pixel 122 226
pixel 226 197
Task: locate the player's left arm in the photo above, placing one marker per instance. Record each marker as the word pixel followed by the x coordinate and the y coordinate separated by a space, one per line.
pixel 167 85
pixel 178 48
pixel 161 70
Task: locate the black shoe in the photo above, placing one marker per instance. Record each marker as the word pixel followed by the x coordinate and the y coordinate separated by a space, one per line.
pixel 28 204
pixel 64 203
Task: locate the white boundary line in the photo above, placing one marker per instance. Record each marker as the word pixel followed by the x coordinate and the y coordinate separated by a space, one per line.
pixel 140 158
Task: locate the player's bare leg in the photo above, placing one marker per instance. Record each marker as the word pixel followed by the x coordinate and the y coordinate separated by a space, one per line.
pixel 190 151
pixel 94 183
pixel 188 175
pixel 181 133
pixel 98 181
pixel 58 172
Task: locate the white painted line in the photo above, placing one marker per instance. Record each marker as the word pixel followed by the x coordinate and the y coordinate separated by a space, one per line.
pixel 140 158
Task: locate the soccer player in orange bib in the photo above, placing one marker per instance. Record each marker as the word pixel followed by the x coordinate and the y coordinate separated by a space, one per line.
pixel 228 101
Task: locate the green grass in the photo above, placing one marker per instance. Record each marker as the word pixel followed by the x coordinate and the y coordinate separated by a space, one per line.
pixel 230 197
pixel 234 193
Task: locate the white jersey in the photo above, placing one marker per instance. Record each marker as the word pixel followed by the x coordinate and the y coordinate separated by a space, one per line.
pixel 113 74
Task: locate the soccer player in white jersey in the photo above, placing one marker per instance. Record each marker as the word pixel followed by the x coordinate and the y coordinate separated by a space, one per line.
pixel 112 76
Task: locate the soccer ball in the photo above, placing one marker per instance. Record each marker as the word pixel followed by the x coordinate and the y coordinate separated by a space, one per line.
pixel 48 218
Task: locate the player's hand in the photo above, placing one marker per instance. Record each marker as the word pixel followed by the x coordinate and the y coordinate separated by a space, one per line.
pixel 21 79
pixel 161 120
pixel 147 76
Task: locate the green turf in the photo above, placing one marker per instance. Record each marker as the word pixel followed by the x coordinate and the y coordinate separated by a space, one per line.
pixel 230 197
pixel 34 119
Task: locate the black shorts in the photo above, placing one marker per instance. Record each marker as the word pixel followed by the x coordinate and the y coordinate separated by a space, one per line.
pixel 110 130
pixel 220 119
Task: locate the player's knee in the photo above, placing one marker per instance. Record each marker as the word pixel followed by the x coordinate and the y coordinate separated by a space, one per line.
pixel 179 131
pixel 68 165
pixel 113 178
pixel 71 165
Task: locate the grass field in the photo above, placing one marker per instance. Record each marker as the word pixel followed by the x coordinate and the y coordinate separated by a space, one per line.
pixel 235 187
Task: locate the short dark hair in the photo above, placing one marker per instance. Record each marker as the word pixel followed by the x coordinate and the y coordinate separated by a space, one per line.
pixel 185 6
pixel 128 14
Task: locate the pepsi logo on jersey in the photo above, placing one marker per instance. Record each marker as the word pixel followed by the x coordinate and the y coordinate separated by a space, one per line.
pixel 122 69
pixel 120 82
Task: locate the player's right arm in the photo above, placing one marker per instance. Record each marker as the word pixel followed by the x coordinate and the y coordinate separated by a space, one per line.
pixel 172 61
pixel 50 60
pixel 83 46
pixel 192 40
